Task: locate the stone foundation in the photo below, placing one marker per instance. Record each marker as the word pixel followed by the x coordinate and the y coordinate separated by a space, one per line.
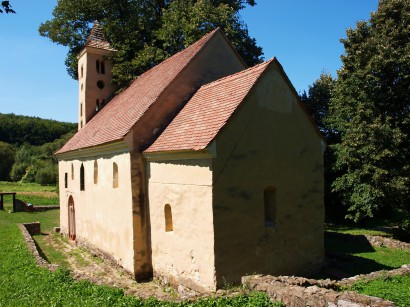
pixel 29 229
pixel 294 295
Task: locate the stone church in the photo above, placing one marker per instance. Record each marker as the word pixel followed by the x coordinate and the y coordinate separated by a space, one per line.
pixel 201 171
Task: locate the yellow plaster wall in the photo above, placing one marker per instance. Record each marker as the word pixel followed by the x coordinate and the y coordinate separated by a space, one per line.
pixel 185 255
pixel 269 141
pixel 103 214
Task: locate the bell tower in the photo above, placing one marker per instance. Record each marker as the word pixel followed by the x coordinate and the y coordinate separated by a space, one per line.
pixel 94 75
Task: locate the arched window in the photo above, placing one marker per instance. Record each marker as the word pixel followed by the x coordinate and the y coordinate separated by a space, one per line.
pixel 168 218
pixel 97 66
pixel 95 172
pixel 82 71
pixel 82 181
pixel 269 198
pixel 72 171
pixel 114 175
pixel 102 67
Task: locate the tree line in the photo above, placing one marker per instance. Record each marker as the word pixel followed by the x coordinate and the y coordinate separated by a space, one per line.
pixel 27 147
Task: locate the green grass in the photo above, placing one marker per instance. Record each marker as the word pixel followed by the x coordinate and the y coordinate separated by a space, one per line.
pixel 22 283
pixel 365 258
pixel 353 230
pixel 395 288
pixel 33 193
pixel 6 186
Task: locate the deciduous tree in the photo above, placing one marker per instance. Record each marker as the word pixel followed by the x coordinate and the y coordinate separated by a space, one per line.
pixel 5 7
pixel 370 109
pixel 146 32
pixel 7 153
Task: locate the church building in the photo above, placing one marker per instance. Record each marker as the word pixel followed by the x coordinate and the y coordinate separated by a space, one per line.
pixel 201 171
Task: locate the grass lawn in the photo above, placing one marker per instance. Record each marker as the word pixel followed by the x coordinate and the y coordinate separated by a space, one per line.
pixel 365 259
pixel 395 289
pixel 33 193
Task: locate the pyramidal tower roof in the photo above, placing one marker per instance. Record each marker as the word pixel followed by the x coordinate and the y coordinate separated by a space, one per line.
pixel 96 38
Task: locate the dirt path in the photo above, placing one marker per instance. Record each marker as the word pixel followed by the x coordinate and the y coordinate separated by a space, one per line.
pixel 87 266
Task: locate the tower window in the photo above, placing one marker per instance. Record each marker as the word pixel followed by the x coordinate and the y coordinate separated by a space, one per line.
pixel 114 175
pixel 95 172
pixel 100 84
pixel 97 105
pixel 102 67
pixel 97 66
pixel 82 179
pixel 269 197
pixel 168 218
pixel 66 180
pixel 72 171
pixel 82 72
pixel 81 109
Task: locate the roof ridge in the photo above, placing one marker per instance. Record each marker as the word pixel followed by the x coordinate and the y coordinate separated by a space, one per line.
pixel 238 74
pixel 205 37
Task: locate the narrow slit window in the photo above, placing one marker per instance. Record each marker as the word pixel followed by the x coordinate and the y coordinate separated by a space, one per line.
pixel 269 197
pixel 95 172
pixel 82 71
pixel 82 179
pixel 97 105
pixel 102 67
pixel 66 180
pixel 114 175
pixel 72 171
pixel 168 218
pixel 97 66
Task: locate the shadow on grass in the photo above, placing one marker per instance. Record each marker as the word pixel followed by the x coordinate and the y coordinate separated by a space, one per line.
pixel 341 259
pixel 40 251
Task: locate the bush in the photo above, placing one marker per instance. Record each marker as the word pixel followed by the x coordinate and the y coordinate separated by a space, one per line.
pixel 47 175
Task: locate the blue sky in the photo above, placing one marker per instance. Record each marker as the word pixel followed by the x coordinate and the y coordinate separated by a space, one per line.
pixel 303 34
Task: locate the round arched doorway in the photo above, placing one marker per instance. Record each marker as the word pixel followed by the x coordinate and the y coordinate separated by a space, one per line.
pixel 71 218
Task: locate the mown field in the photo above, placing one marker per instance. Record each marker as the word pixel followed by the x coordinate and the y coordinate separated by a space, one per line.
pixel 22 283
pixel 33 193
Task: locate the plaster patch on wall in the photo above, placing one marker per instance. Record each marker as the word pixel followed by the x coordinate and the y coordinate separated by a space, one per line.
pixel 281 100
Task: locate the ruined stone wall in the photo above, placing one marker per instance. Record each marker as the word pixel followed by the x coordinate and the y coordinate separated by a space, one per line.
pixel 294 295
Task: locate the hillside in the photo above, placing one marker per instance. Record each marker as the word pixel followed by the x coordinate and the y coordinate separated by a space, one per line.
pixel 19 129
pixel 27 147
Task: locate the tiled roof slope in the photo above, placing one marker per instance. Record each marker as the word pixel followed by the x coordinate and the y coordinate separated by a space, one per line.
pixel 207 112
pixel 116 119
pixel 96 38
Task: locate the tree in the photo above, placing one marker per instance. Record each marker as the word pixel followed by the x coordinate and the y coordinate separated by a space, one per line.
pixel 7 153
pixel 370 109
pixel 6 7
pixel 317 102
pixel 146 32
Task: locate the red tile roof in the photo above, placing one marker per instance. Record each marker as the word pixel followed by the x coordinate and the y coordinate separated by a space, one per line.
pixel 207 112
pixel 116 119
pixel 96 38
